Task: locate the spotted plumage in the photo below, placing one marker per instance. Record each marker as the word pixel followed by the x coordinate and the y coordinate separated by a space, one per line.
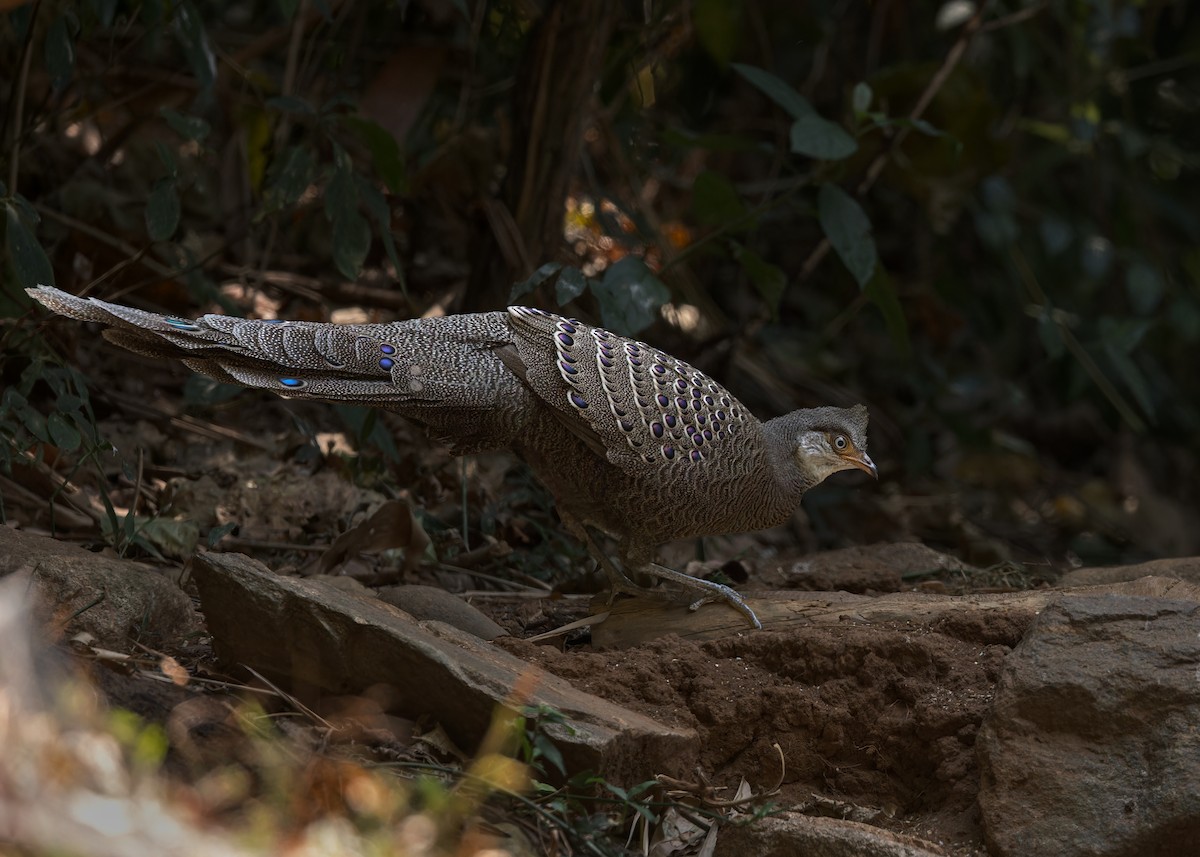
pixel 648 408
pixel 630 440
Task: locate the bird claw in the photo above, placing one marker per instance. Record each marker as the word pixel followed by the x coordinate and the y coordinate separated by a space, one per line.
pixel 729 596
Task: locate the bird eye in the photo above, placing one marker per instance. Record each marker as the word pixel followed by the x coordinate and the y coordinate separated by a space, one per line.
pixel 839 442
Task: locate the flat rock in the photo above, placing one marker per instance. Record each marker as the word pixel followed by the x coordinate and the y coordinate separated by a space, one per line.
pixel 112 599
pixel 870 568
pixel 433 602
pixel 789 834
pixel 319 640
pixel 1092 745
pixel 1180 568
pixel 636 621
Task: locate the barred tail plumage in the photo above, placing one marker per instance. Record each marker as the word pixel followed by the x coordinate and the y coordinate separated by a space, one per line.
pixel 441 371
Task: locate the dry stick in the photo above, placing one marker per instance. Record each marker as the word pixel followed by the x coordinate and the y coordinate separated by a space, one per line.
pixel 19 104
pixel 265 544
pixel 533 148
pixel 875 170
pixel 192 424
pixel 131 252
pixel 137 485
pixel 1016 17
pixel 299 26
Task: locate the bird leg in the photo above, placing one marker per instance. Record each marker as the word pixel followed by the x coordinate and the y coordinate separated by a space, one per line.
pixel 711 593
pixel 617 580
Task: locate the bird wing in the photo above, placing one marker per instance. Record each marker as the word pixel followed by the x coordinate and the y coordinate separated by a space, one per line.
pixel 647 409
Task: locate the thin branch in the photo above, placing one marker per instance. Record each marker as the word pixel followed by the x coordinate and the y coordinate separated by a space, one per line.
pixel 19 104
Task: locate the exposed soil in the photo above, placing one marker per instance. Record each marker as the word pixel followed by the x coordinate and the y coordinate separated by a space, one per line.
pixel 879 718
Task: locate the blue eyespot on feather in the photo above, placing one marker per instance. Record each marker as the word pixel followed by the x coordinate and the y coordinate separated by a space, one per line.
pixel 291 382
pixel 386 363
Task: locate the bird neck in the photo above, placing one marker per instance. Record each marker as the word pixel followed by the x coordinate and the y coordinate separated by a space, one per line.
pixel 780 436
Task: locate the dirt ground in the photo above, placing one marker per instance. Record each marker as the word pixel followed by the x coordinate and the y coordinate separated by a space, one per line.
pixel 877 724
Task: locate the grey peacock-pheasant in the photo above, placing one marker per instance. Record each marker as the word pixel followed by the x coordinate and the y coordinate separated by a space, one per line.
pixel 629 440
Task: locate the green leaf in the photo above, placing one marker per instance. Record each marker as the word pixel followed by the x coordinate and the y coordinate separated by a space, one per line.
pixel 848 230
pixel 998 194
pixel 718 27
pixel 815 137
pixel 1133 378
pixel 105 11
pixel 882 293
pixel 378 207
pixel 861 98
pixel 168 159
pixel 1096 256
pixel 351 241
pixel 715 201
pixel 351 234
pixel 630 296
pixel 288 177
pixel 542 275
pixel 1050 335
pixel 173 538
pixel 60 51
pixel 162 210
pixel 385 151
pixel 570 285
pixel 997 230
pixel 547 750
pixel 1123 334
pixel 33 421
pixel 775 89
pixel 189 30
pixel 67 403
pixel 1144 287
pixel 62 433
pixel 217 533
pixel 1056 235
pixel 188 127
pixel 31 266
pixel 768 279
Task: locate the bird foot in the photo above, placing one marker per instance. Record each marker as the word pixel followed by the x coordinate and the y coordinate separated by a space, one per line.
pixel 715 593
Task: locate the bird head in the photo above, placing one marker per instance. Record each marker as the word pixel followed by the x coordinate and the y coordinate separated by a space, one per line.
pixel 823 441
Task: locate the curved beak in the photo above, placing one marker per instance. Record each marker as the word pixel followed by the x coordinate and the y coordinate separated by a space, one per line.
pixel 863 462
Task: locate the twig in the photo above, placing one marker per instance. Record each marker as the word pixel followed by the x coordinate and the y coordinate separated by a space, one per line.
pixel 265 544
pixel 19 104
pixel 111 240
pixel 1016 17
